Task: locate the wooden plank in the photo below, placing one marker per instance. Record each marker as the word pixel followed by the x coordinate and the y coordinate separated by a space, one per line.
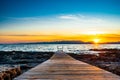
pixel 63 67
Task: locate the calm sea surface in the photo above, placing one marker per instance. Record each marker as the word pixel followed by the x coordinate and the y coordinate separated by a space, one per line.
pixel 76 48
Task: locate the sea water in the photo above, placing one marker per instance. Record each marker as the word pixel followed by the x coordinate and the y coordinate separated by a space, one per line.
pixel 69 48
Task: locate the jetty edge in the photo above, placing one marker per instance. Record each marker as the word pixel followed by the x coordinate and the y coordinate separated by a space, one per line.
pixel 61 66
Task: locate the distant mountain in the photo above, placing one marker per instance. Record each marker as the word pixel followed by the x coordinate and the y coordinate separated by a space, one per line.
pixel 112 43
pixel 59 42
pixel 66 42
pixel 69 42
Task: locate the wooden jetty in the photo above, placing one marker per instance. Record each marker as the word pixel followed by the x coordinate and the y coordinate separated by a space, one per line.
pixel 63 67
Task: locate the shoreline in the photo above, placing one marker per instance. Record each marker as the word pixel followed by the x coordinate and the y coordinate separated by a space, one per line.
pixel 25 61
pixel 107 59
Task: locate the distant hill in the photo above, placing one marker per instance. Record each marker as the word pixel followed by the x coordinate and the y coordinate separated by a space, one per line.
pixel 69 42
pixel 61 42
pixel 112 43
pixel 66 42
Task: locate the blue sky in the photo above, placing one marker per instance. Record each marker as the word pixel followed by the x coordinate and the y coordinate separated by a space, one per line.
pixel 30 8
pixel 57 17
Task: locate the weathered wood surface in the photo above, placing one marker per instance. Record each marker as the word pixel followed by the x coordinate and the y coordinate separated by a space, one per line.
pixel 63 67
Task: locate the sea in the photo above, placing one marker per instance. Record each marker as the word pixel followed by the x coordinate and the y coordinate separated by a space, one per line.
pixel 68 48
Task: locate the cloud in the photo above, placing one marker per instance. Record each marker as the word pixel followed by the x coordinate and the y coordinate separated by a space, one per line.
pixel 22 19
pixel 81 18
pixel 69 17
pixel 28 35
pixel 58 24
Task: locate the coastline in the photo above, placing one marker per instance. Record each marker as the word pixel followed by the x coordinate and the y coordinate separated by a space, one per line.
pixel 24 61
pixel 107 59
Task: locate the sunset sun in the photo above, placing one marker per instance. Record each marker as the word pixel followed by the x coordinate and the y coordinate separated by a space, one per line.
pixel 96 40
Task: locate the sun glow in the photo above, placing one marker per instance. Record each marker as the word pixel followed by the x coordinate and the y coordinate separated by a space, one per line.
pixel 96 40
pixel 95 32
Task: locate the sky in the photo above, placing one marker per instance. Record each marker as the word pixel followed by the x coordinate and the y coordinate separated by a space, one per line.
pixel 55 20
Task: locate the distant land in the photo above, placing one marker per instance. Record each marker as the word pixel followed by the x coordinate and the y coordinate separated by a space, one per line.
pixel 61 42
pixel 66 42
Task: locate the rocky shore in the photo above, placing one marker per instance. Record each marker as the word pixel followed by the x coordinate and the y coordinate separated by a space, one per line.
pixel 8 72
pixel 23 60
pixel 108 59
